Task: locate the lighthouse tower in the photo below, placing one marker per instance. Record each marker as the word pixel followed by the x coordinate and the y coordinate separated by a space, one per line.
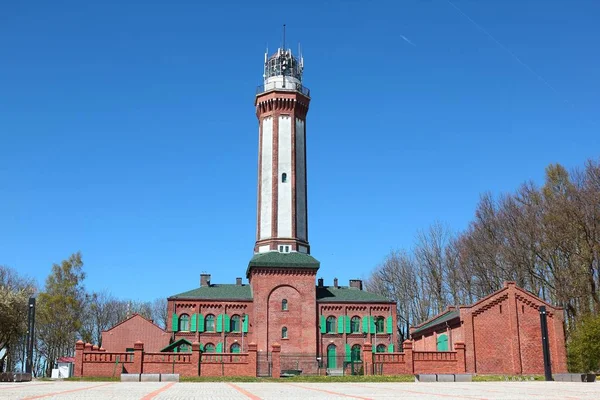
pixel 281 107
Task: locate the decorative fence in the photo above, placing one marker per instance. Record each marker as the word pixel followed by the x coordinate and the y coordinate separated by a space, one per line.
pixel 93 361
pixel 415 362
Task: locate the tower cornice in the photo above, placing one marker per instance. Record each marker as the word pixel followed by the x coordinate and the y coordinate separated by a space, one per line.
pixel 274 101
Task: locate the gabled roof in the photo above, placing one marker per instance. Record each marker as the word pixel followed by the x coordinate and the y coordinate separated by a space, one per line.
pixel 130 318
pixel 176 344
pixel 446 316
pixel 345 294
pixel 217 292
pixel 275 259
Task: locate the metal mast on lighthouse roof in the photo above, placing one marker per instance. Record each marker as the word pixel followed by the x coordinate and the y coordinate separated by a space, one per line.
pixel 283 71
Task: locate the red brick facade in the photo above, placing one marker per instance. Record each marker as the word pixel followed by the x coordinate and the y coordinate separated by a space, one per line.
pixel 122 336
pixel 501 333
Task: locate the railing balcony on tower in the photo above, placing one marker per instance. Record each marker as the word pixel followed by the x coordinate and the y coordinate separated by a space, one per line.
pixel 279 85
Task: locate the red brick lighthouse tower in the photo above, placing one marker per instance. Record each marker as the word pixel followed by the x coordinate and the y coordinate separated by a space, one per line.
pixel 281 107
pixel 282 273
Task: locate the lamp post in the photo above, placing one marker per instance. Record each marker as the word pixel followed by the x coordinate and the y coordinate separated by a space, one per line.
pixel 30 335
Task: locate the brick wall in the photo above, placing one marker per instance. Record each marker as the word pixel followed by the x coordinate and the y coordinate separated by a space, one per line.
pixel 91 361
pixel 411 362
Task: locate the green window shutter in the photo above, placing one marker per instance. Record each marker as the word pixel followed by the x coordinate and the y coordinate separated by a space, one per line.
pixel 219 347
pixel 365 324
pixel 174 325
pixel 390 327
pixel 245 325
pixel 220 323
pixel 391 348
pixel 200 323
pixel 323 326
pixel 372 324
pixel 341 324
pixel 374 349
pixel 348 353
pixel 201 347
pixel 348 324
pixel 226 322
pixel 193 327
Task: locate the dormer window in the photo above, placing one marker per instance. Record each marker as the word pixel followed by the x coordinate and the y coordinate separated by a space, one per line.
pixel 284 248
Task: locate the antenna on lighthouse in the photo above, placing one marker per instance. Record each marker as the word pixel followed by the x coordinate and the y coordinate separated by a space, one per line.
pixel 283 47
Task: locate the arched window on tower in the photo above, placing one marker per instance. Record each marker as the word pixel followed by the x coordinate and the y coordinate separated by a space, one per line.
pixel 284 305
pixel 284 332
pixel 355 324
pixel 380 348
pixel 379 321
pixel 284 177
pixel 184 322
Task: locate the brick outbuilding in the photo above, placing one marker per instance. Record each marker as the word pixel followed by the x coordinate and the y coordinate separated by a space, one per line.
pixel 501 332
pixel 122 336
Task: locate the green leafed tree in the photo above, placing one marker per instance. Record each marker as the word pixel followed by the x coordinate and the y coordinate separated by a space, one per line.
pixel 14 295
pixel 60 310
pixel 584 346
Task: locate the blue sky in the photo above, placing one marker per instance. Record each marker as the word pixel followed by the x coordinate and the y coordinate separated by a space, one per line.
pixel 128 132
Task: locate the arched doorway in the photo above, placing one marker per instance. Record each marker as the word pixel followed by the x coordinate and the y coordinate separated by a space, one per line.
pixel 331 356
pixel 442 342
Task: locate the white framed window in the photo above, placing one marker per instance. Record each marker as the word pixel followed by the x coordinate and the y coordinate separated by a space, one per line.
pixel 284 248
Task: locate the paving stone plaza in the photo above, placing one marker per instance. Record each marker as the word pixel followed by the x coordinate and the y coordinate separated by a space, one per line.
pixel 293 390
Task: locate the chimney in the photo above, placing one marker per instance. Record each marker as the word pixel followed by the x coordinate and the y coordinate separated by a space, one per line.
pixel 356 283
pixel 320 284
pixel 335 283
pixel 204 280
pixel 238 281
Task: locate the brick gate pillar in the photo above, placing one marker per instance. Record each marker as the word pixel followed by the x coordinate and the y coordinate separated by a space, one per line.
pixel 252 360
pixel 276 360
pixel 138 358
pixel 367 357
pixel 78 358
pixel 195 360
pixel 407 348
pixel 459 347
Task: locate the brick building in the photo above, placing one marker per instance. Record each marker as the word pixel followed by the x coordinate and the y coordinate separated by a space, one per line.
pixel 122 336
pixel 282 301
pixel 501 333
pixel 285 311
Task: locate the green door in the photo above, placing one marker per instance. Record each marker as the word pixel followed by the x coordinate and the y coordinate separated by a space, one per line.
pixel 331 358
pixel 442 342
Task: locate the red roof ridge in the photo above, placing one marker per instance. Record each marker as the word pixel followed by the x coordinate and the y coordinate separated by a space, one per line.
pixel 132 316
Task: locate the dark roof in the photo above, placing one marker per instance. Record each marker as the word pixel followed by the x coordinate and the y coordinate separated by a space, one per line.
pixel 439 319
pixel 345 294
pixel 275 259
pixel 175 344
pixel 217 292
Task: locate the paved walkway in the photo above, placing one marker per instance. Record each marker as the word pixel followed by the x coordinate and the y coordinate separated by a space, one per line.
pixel 289 390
